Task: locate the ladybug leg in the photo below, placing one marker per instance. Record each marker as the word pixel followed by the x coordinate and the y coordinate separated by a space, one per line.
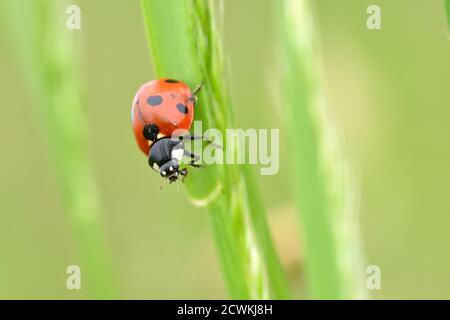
pixel 193 156
pixel 183 173
pixel 194 98
pixel 197 89
pixel 196 165
pixel 193 137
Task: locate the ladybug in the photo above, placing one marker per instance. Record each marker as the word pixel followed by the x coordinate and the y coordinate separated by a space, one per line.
pixel 160 108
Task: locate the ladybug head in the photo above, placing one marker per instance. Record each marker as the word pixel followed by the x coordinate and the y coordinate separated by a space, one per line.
pixel 171 171
pixel 150 132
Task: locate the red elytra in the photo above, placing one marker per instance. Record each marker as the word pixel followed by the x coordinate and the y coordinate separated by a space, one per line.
pixel 166 103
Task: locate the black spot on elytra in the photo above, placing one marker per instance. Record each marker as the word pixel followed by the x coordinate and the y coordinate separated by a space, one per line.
pixel 154 100
pixel 182 108
pixel 171 81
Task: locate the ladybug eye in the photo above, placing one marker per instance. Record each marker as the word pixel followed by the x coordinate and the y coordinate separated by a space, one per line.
pixel 182 108
pixel 154 100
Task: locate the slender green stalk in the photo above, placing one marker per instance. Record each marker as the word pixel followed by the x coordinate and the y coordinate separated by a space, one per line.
pixel 447 10
pixel 184 45
pixel 323 185
pixel 51 65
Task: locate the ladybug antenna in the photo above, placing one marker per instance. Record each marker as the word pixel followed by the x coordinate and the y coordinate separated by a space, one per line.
pixel 163 184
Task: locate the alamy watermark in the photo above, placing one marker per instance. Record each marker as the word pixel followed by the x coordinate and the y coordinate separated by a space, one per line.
pixel 374 19
pixel 373 281
pixel 73 21
pixel 236 146
pixel 73 281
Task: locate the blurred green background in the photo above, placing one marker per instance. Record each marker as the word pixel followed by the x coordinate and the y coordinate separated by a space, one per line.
pixel 389 95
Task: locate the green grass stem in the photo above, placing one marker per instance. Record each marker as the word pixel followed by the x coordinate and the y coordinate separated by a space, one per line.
pixel 447 11
pixel 50 60
pixel 184 45
pixel 323 186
